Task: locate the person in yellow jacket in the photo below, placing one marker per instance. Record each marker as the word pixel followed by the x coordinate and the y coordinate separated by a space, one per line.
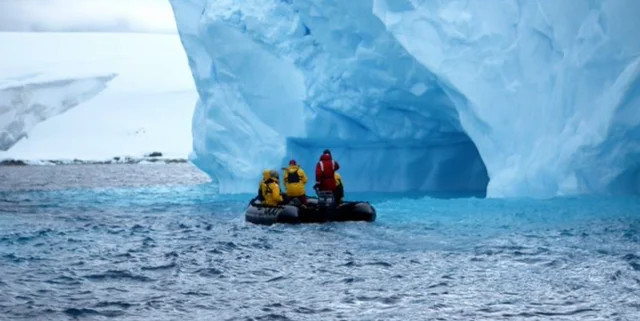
pixel 294 181
pixel 339 188
pixel 270 189
pixel 261 186
pixel 260 196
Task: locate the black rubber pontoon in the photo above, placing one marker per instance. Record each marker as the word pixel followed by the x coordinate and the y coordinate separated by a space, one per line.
pixel 317 210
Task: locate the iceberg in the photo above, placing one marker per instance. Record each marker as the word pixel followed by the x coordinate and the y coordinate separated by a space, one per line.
pixel 508 98
pixel 26 102
pixel 94 97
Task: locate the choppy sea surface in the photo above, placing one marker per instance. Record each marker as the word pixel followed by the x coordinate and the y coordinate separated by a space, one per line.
pixel 154 242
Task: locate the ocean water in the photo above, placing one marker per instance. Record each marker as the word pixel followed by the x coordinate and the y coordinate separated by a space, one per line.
pixel 154 242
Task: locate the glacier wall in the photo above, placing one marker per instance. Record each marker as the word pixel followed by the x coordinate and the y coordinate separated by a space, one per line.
pixel 538 96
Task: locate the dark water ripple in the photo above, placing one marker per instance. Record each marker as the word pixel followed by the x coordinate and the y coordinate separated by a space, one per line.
pixel 168 253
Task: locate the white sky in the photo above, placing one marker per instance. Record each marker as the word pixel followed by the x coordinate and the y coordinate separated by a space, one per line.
pixel 87 15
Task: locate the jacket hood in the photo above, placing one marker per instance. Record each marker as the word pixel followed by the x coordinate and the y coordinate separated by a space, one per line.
pixel 265 174
pixel 326 157
pixel 293 168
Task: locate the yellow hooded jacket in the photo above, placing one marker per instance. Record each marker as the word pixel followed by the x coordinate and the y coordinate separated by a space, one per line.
pixel 262 185
pixel 338 179
pixel 339 188
pixel 271 192
pixel 294 181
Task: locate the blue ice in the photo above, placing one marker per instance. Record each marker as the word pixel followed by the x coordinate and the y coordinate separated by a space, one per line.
pixel 512 98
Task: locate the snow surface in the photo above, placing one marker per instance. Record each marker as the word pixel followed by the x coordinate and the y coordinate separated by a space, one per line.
pixel 409 93
pixel 95 96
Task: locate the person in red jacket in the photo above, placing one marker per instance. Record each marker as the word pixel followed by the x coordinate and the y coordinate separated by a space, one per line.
pixel 325 170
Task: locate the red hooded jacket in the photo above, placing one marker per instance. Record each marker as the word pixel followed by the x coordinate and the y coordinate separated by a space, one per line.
pixel 325 170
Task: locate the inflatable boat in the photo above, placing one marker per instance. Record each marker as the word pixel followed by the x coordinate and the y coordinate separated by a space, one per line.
pixel 315 211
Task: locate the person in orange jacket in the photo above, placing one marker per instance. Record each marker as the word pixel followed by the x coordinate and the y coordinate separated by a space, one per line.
pixel 325 172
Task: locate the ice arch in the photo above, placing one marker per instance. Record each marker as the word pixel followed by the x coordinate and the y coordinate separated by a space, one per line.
pixel 408 94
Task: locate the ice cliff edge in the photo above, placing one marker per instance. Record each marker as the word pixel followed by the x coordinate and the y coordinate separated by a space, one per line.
pixel 521 98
